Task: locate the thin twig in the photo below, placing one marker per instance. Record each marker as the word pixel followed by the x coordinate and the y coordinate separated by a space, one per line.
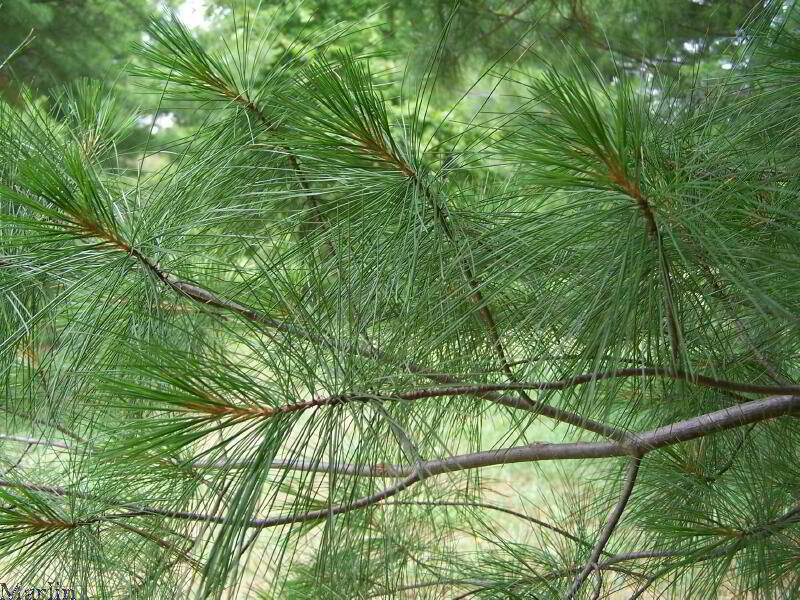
pixel 598 584
pixel 426 584
pixel 488 506
pixel 488 390
pixel 314 199
pixel 291 464
pixel 199 294
pixel 726 303
pixel 632 190
pixel 20 47
pixel 172 548
pixel 734 454
pixel 711 552
pixel 386 154
pixel 611 524
pixel 19 460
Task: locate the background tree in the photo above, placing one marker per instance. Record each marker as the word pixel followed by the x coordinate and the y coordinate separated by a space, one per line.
pixel 638 37
pixel 290 363
pixel 663 34
pixel 71 38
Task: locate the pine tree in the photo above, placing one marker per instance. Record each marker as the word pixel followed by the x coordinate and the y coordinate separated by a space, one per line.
pixel 269 369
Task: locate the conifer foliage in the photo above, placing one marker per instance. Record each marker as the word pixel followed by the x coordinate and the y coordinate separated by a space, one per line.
pixel 269 368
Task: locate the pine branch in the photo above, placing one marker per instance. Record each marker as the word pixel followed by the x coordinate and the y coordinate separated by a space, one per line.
pixel 640 445
pixel 179 554
pixel 293 464
pixel 435 583
pixel 204 296
pixel 582 146
pixel 598 584
pixel 367 132
pixel 20 47
pixel 475 295
pixel 631 188
pixel 197 69
pixel 742 330
pixel 711 552
pixel 225 399
pixel 218 408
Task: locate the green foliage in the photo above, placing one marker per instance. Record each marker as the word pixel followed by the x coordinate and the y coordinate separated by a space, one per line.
pixel 293 362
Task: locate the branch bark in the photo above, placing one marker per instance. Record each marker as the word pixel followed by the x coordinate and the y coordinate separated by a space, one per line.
pixel 639 445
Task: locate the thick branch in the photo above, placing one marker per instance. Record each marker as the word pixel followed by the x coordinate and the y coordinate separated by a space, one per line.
pixel 640 445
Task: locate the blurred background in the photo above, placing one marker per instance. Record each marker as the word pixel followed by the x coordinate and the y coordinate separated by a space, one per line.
pixel 671 42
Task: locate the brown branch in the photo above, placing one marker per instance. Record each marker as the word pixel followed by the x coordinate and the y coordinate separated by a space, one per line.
pixel 504 20
pixel 285 520
pixel 639 445
pixel 18 462
pixel 734 454
pixel 481 389
pixel 611 524
pixel 486 390
pixel 63 430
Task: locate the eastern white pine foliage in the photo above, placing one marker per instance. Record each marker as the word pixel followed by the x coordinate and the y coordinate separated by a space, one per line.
pixel 269 367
